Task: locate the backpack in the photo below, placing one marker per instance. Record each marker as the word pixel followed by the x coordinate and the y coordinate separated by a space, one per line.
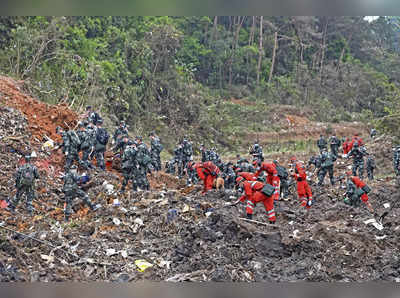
pixel 102 136
pixel 158 146
pixel 282 173
pixel 75 140
pixel 187 150
pixel 27 176
pixel 268 190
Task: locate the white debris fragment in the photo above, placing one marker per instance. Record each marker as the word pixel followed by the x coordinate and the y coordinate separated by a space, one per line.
pixel 386 205
pixel 116 221
pixel 138 221
pixel 124 253
pixel 110 252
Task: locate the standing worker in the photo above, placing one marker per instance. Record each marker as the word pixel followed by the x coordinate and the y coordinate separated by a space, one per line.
pixel 25 183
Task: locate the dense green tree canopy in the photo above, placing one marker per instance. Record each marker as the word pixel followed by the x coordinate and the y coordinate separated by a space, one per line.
pixel 177 73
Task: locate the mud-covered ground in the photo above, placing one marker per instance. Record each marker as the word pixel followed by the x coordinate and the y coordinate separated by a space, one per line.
pixel 185 236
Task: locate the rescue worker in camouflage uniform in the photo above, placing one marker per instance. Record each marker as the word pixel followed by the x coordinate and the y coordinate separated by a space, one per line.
pixel 283 176
pixel 396 160
pixel 327 161
pixel 204 153
pixel 334 144
pixel 92 116
pixel 316 161
pixel 358 154
pixel 373 133
pixel 102 137
pixel 129 166
pixel 72 190
pixel 71 146
pixel 187 153
pixel 144 164
pixel 257 153
pixel 192 177
pixel 155 149
pixel 91 131
pixel 357 191
pixel 229 176
pixel 213 156
pixel 120 132
pixel 176 160
pixel 245 166
pixel 122 142
pixel 322 144
pixel 25 183
pixel 85 146
pixel 370 164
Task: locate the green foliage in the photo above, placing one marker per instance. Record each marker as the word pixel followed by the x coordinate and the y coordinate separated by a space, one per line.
pixel 178 74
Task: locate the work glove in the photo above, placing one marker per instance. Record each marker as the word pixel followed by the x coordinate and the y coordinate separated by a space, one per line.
pixel 309 203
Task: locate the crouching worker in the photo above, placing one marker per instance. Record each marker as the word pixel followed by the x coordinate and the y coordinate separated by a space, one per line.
pixel 72 190
pixel 208 172
pixel 357 191
pixel 257 192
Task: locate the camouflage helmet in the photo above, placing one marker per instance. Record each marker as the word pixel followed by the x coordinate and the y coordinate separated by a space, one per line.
pixel 27 158
pixel 138 138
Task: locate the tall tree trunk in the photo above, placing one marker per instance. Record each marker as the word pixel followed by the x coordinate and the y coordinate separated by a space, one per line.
pixel 323 50
pixel 252 30
pixel 214 34
pixel 273 56
pixel 260 50
pixel 238 25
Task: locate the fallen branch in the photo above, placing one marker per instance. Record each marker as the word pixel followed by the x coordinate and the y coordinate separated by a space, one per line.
pixel 258 222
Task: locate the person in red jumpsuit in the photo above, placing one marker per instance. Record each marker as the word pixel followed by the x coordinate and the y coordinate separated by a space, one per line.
pixel 253 195
pixel 360 184
pixel 357 139
pixel 208 172
pixel 272 176
pixel 303 189
pixel 346 146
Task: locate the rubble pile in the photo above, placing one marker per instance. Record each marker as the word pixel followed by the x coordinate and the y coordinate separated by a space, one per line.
pixel 42 118
pixel 172 233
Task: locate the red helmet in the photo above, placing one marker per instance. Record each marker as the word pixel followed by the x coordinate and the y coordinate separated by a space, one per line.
pixel 293 159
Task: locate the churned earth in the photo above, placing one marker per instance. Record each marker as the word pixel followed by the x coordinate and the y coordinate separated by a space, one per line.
pixel 173 233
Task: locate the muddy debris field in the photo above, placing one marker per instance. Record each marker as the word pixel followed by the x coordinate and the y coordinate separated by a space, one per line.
pixel 172 233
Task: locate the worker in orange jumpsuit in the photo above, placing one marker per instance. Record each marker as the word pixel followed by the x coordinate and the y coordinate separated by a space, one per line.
pixel 303 189
pixel 359 184
pixel 272 176
pixel 253 195
pixel 357 139
pixel 346 146
pixel 208 172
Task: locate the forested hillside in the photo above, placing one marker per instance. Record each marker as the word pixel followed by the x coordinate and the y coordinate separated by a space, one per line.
pixel 211 77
